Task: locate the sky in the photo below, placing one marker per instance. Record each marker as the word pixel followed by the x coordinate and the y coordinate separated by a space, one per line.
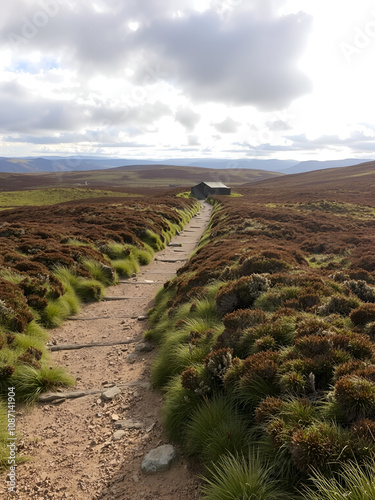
pixel 264 79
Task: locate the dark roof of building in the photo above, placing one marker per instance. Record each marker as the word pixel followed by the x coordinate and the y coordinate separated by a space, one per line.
pixel 214 184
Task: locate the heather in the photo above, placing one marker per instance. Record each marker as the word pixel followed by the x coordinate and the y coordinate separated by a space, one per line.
pixel 266 346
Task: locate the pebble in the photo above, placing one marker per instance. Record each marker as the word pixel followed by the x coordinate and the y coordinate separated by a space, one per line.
pixel 144 347
pixel 130 358
pixel 118 435
pixel 111 393
pixel 128 423
pixel 159 459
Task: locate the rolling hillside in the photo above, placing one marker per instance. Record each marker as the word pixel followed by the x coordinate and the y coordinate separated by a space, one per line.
pixel 132 176
pixel 353 184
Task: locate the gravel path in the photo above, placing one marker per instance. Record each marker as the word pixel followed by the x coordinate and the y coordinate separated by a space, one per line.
pixel 74 452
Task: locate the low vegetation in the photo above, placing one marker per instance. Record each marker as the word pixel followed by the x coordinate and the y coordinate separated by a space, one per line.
pixel 266 351
pixel 50 196
pixel 53 259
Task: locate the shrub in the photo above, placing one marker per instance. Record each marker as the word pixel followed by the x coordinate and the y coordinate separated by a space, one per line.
pixel 233 374
pixel 36 302
pixel 313 345
pixel 355 397
pixel 244 318
pixel 370 330
pixel 265 343
pixel 308 300
pixel 14 312
pixel 348 368
pixel 310 326
pixel 358 345
pixel 260 264
pixel 268 409
pixel 293 383
pixel 226 300
pixel 364 430
pixel 337 304
pixel 218 363
pixel 317 447
pixel 322 367
pixel 363 315
pixel 360 288
pixel 279 297
pixel 241 293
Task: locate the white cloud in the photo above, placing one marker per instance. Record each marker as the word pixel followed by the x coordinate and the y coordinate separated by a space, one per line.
pixel 227 126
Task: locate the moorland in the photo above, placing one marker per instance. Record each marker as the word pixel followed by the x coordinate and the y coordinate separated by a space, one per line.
pixel 55 258
pixel 266 341
pixel 138 176
pixel 265 337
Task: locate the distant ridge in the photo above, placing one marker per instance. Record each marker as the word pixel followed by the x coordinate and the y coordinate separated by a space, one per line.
pixel 148 176
pixel 84 163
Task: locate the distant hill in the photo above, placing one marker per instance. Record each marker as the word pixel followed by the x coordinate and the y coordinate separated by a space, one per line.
pixel 61 164
pixel 84 163
pixel 133 176
pixel 354 183
pixel 308 166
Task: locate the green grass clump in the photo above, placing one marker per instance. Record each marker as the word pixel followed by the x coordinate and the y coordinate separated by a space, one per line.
pixel 354 482
pixel 125 267
pixel 55 313
pixel 179 403
pixel 30 382
pixel 235 477
pixel 153 240
pixel 12 276
pixel 77 289
pixel 216 428
pixel 172 359
pixel 143 256
pixel 33 329
pixel 103 274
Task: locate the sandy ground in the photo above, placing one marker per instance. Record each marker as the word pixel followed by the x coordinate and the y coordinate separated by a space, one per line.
pixel 73 454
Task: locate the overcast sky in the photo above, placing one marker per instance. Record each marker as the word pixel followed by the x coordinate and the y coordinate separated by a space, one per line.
pixel 289 79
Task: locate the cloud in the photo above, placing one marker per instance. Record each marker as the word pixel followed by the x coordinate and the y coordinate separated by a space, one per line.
pixel 248 57
pixel 227 126
pixel 23 112
pixel 239 61
pixel 193 140
pixel 278 126
pixel 188 118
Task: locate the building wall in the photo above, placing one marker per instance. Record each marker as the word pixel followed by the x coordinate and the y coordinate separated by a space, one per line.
pixel 201 191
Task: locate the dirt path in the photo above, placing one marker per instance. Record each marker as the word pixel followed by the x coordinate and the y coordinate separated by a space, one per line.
pixel 74 455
